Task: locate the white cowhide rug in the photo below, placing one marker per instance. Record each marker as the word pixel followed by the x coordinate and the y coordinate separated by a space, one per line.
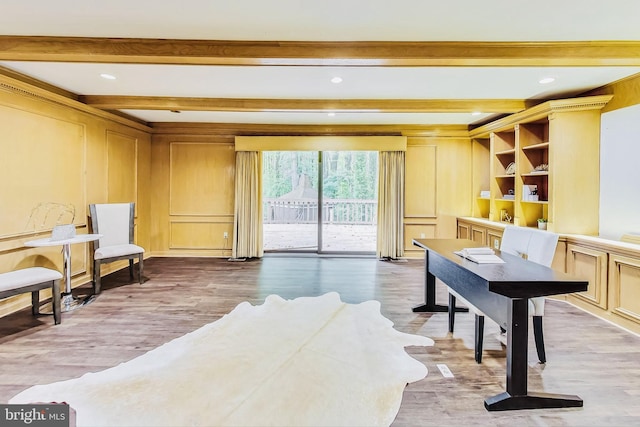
pixel 313 361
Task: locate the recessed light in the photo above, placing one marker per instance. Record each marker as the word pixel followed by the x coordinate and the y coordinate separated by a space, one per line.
pixel 336 80
pixel 108 76
pixel 476 113
pixel 331 114
pixel 546 80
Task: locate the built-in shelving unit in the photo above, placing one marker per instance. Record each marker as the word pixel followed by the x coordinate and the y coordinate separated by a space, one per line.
pixel 542 162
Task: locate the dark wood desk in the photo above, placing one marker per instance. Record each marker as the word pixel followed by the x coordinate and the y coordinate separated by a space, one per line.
pixel 502 291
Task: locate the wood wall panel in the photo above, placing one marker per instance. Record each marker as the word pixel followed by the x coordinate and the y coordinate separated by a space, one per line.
pixel 201 179
pixel 591 265
pixel 437 184
pixel 200 235
pixel 624 286
pixel 421 179
pixel 454 183
pixel 57 157
pixel 417 231
pixel 42 170
pixel 122 161
pixel 193 195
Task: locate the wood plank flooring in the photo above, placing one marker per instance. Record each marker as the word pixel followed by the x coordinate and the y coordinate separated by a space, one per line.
pixel 586 355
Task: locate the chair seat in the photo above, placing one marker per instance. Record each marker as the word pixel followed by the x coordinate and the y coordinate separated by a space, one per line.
pixel 117 250
pixel 27 276
pixel 536 246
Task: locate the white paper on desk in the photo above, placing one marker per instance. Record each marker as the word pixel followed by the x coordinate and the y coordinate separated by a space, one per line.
pixel 478 251
pixel 480 255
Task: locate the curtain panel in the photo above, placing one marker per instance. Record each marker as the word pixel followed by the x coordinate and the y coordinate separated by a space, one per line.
pixel 247 221
pixel 391 205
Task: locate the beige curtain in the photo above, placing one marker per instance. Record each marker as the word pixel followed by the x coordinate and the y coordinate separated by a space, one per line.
pixel 247 221
pixel 391 205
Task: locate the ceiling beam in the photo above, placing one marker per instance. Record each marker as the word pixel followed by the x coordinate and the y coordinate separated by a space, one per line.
pixel 293 53
pixel 231 130
pixel 109 102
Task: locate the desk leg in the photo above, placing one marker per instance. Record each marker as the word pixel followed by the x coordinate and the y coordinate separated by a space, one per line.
pixel 430 305
pixel 516 396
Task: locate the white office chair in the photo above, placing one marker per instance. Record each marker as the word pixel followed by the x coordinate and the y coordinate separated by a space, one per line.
pixel 532 244
pixel 115 222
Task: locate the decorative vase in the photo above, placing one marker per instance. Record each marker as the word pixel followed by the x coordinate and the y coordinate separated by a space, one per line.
pixel 542 225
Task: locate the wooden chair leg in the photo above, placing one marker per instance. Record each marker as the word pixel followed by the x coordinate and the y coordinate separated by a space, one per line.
pixel 96 277
pixel 539 338
pixel 452 312
pixel 140 269
pixel 131 269
pixel 35 302
pixel 479 337
pixel 55 302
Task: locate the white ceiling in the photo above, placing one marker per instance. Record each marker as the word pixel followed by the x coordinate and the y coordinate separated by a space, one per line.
pixel 329 20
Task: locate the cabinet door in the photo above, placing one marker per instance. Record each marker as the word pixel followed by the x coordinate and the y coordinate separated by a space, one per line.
pixel 624 287
pixel 589 264
pixel 479 234
pixel 464 230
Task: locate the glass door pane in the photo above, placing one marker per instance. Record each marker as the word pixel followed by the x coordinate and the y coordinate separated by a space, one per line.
pixel 349 201
pixel 290 200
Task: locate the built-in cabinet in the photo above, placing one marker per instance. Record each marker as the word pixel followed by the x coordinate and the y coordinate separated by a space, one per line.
pixel 541 163
pixel 612 269
pixel 544 163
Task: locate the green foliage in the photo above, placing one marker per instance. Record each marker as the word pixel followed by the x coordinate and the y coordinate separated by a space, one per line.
pixel 281 171
pixel 347 174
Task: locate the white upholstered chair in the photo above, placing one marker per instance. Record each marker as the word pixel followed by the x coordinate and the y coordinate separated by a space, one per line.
pixel 115 221
pixel 534 245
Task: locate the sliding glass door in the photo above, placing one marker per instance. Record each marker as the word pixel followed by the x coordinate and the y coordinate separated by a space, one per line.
pixel 320 202
pixel 349 200
pixel 290 194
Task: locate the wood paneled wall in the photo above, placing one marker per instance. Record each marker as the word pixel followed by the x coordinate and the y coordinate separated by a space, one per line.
pixel 56 159
pixel 193 179
pixel 193 198
pixel 437 188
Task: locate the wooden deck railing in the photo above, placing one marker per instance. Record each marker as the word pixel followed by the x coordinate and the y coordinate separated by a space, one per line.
pixel 334 211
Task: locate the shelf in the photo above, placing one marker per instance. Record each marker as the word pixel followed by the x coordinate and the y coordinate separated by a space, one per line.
pixel 511 152
pixel 505 176
pixel 536 202
pixel 545 173
pixel 540 146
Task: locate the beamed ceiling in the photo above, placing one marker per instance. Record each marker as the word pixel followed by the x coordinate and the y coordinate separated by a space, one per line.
pixel 416 63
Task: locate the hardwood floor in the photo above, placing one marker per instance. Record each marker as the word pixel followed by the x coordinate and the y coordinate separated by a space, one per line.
pixel 586 355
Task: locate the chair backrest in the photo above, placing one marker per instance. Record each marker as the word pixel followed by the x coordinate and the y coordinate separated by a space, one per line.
pixel 114 221
pixel 535 245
